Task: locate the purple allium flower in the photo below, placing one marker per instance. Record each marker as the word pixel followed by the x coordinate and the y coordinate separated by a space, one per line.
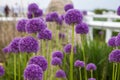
pixel 38 13
pixel 73 16
pixel 54 16
pixel 33 72
pixel 82 28
pixel 58 54
pixel 21 25
pixel 68 6
pixel 30 15
pixel 60 74
pixel 56 61
pixel 117 41
pixel 33 7
pixel 67 48
pixel 79 63
pixel 6 49
pixel 62 16
pixel 35 25
pixel 114 56
pixel 112 41
pixel 2 71
pixel 61 35
pixel 90 67
pixel 84 13
pixel 45 34
pixel 118 11
pixel 59 21
pixel 48 17
pixel 91 79
pixel 28 44
pixel 40 61
pixel 14 45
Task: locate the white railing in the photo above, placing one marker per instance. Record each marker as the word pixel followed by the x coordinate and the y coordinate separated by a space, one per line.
pixel 108 25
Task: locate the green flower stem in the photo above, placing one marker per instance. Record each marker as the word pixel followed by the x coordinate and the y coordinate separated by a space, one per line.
pixel 83 51
pixel 65 61
pixel 72 55
pixel 80 74
pixel 91 73
pixel 113 72
pixel 14 66
pixel 19 72
pixel 116 71
pixel 57 40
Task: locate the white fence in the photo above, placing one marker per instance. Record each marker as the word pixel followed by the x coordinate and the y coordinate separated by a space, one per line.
pixel 108 25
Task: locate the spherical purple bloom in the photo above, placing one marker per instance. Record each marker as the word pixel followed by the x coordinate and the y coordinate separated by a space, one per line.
pixel 82 28
pixel 21 25
pixel 2 71
pixel 117 41
pixel 90 67
pixel 40 61
pixel 45 34
pixel 73 16
pixel 30 15
pixel 79 63
pixel 114 56
pixel 28 44
pixel 68 6
pixel 60 74
pixel 48 18
pixel 67 48
pixel 84 13
pixel 61 36
pixel 32 7
pixel 118 11
pixel 38 13
pixel 91 79
pixel 14 45
pixel 59 21
pixel 6 49
pixel 112 41
pixel 54 16
pixel 58 54
pixel 35 25
pixel 33 72
pixel 56 61
pixel 62 16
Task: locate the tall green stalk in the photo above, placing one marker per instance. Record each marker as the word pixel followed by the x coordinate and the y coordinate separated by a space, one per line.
pixel 113 72
pixel 116 71
pixel 19 70
pixel 91 73
pixel 14 66
pixel 72 55
pixel 80 74
pixel 83 51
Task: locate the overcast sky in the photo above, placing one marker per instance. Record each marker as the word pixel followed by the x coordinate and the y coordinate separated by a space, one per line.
pixel 80 4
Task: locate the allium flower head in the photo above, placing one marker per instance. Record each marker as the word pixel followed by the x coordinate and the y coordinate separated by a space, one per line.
pixel 6 49
pixel 54 16
pixel 32 7
pixel 62 16
pixel 45 34
pixel 82 28
pixel 60 74
pixel 35 25
pixel 118 11
pixel 2 71
pixel 114 56
pixel 33 72
pixel 59 21
pixel 48 17
pixel 61 36
pixel 79 63
pixel 30 15
pixel 91 79
pixel 84 13
pixel 14 45
pixel 21 25
pixel 112 41
pixel 28 44
pixel 68 6
pixel 58 54
pixel 117 41
pixel 38 13
pixel 73 16
pixel 67 48
pixel 56 61
pixel 40 61
pixel 90 67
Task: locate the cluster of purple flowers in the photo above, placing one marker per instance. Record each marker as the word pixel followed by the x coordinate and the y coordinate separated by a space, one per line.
pixel 118 11
pixel 68 47
pixel 34 11
pixel 2 71
pixel 35 68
